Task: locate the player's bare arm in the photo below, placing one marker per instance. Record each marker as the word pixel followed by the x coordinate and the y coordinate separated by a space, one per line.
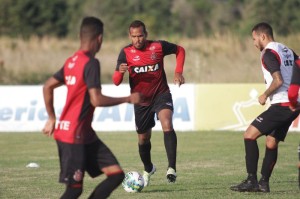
pixel 276 83
pixel 48 89
pixel 98 99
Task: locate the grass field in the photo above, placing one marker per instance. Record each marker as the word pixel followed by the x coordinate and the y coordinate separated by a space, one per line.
pixel 208 164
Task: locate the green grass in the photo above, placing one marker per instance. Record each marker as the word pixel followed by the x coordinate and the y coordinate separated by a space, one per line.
pixel 208 164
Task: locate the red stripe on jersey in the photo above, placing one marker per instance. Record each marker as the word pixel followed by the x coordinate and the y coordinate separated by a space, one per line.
pixel 293 94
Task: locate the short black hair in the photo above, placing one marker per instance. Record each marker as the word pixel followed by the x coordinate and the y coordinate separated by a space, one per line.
pixel 136 24
pixel 91 27
pixel 263 27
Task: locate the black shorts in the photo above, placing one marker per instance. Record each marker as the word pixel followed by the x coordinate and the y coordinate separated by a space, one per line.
pixel 75 159
pixel 144 115
pixel 275 121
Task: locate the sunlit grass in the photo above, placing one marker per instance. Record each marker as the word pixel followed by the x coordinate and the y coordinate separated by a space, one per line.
pixel 208 164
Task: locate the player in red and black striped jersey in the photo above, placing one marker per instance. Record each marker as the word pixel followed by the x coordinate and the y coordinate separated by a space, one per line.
pixel 143 59
pixel 277 62
pixel 79 147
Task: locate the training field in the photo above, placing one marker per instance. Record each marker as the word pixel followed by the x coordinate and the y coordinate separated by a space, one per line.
pixel 208 163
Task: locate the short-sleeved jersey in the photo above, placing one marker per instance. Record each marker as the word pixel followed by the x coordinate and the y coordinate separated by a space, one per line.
pixel 146 68
pixel 79 73
pixel 278 57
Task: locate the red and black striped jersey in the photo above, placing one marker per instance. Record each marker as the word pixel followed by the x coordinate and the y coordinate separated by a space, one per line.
pixel 79 73
pixel 146 68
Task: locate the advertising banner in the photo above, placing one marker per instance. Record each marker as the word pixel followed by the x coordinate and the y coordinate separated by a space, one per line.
pixel 229 106
pixel 22 109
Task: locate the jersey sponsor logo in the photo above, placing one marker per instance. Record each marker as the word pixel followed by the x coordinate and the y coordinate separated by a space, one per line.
pixel 152 48
pixel 145 69
pixel 259 119
pixel 153 56
pixel 74 58
pixel 169 104
pixel 70 80
pixel 63 125
pixel 71 65
pixel 136 58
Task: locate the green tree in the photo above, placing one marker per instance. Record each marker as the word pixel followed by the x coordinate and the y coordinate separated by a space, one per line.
pixel 30 17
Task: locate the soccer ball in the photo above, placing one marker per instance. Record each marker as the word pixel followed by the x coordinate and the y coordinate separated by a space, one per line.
pixel 133 182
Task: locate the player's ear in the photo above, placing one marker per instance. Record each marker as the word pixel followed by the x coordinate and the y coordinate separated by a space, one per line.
pixel 100 38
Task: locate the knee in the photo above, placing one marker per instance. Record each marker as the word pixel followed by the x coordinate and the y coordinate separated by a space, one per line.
pixel 167 125
pixel 252 133
pixel 271 142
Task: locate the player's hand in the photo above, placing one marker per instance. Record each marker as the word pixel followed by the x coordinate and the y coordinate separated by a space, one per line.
pixel 262 99
pixel 135 98
pixel 178 79
pixel 123 68
pixel 49 127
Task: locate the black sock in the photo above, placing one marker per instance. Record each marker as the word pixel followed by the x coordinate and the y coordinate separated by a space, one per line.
pixel 144 151
pixel 269 163
pixel 170 140
pixel 72 191
pixel 252 155
pixel 299 166
pixel 104 189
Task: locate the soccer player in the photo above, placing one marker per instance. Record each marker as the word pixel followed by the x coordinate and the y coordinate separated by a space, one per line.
pixel 277 62
pixel 143 59
pixel 293 94
pixel 79 147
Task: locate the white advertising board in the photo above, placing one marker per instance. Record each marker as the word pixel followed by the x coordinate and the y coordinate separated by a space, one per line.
pixel 22 109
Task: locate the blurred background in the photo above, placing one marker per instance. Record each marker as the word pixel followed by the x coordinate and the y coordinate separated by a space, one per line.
pixel 37 36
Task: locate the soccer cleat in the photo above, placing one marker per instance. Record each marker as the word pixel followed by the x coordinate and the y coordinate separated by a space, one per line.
pixel 248 185
pixel 147 175
pixel 263 186
pixel 171 175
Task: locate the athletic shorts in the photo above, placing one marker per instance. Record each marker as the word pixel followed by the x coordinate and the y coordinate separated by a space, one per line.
pixel 144 115
pixel 75 159
pixel 275 121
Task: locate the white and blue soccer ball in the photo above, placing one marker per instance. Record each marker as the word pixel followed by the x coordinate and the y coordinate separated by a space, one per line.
pixel 133 182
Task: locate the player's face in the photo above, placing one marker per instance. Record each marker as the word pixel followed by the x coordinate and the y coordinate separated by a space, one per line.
pixel 138 37
pixel 257 40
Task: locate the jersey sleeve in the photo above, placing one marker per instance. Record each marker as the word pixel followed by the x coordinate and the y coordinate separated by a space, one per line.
pixel 121 59
pixel 271 61
pixel 92 74
pixel 168 48
pixel 295 83
pixel 59 75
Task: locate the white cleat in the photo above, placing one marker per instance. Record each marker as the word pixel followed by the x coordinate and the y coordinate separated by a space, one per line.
pixel 171 175
pixel 147 175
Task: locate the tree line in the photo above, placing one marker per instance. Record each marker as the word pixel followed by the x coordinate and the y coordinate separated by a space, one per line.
pixel 183 18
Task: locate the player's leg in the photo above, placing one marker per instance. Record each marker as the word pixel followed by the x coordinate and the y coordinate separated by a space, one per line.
pixel 251 158
pixel 144 144
pixel 269 162
pixel 144 120
pixel 170 140
pixel 114 177
pixel 100 160
pixel 284 120
pixel 299 166
pixel 163 107
pixel 72 168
